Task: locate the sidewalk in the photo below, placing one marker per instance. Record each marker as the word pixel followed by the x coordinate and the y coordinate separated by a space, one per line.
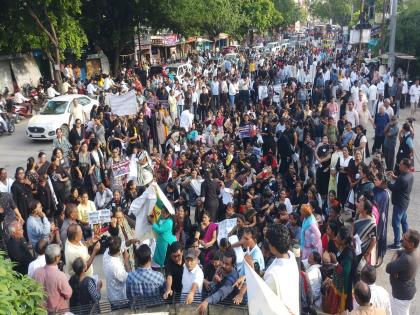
pixel 413 216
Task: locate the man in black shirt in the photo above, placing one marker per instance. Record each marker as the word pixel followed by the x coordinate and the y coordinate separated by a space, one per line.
pixel 174 268
pixel 204 104
pixel 17 248
pixel 402 273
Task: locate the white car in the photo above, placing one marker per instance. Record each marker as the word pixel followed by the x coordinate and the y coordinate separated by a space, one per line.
pixel 179 70
pixel 55 114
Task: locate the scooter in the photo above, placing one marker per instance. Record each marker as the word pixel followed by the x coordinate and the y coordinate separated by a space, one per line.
pixel 23 110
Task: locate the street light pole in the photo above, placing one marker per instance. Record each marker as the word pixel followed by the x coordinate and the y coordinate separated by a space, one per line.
pixel 393 30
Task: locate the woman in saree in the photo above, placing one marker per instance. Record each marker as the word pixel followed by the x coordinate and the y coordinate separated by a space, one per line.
pixel 337 153
pixel 365 228
pixel 207 236
pixel 120 227
pixel 338 295
pixel 343 182
pixel 365 180
pixel 310 239
pixel 381 199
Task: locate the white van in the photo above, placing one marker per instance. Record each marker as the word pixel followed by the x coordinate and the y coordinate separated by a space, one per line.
pixel 179 69
pixel 272 47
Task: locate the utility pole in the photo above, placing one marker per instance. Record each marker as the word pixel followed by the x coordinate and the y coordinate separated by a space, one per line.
pixel 383 27
pixel 393 30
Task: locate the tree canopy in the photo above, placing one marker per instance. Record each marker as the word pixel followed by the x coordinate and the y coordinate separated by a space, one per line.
pixel 50 25
pixel 340 11
pixel 408 21
pixel 59 27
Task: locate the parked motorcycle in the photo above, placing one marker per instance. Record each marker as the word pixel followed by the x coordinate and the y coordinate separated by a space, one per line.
pixel 23 110
pixel 9 121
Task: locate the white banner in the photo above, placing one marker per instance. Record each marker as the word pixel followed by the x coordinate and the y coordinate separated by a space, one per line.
pixel 261 299
pixel 125 104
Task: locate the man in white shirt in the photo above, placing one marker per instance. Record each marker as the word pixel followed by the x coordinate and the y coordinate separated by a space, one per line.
pixel 66 86
pixel 414 97
pixel 108 83
pixel 77 112
pixel 352 115
pixel 186 119
pixel 192 278
pixel 346 83
pixel 40 260
pixel 381 86
pixel 313 272
pixel 91 89
pixel 355 91
pixel 116 267
pixel 103 197
pixel 5 182
pixel 404 92
pixel 282 276
pixel 373 95
pixel 388 108
pixel 19 98
pixel 51 92
pixel 379 297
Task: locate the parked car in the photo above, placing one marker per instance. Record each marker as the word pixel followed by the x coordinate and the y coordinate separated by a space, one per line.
pixel 232 57
pixel 272 47
pixel 56 114
pixel 178 70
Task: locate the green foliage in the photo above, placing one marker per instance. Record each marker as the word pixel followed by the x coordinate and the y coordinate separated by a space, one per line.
pixel 408 23
pixel 110 24
pixel 339 11
pixel 290 12
pixel 19 294
pixel 355 19
pixel 43 24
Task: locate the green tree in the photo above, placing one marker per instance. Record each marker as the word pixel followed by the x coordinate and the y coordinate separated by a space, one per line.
pixel 408 22
pixel 290 12
pixel 340 11
pixel 110 25
pixel 50 25
pixel 18 294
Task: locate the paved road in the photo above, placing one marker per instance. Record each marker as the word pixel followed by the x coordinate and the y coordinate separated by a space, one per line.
pixel 15 149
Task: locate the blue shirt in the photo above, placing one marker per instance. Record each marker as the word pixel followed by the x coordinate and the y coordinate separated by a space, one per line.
pixel 145 283
pixel 225 288
pixel 38 229
pixel 257 257
pixel 380 122
pixel 215 88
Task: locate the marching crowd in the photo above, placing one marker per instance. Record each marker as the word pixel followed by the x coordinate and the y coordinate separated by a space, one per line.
pixel 278 143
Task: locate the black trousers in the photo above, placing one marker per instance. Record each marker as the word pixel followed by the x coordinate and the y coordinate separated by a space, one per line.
pixel 378 144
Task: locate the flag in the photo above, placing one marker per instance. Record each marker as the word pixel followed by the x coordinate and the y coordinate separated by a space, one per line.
pixel 145 205
pixel 261 299
pixel 157 209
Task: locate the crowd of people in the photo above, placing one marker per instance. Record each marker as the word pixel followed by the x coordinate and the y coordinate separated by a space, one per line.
pixel 279 143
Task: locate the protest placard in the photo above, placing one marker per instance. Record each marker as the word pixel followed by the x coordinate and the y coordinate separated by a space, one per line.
pixel 244 132
pixel 121 169
pixel 93 217
pixel 224 227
